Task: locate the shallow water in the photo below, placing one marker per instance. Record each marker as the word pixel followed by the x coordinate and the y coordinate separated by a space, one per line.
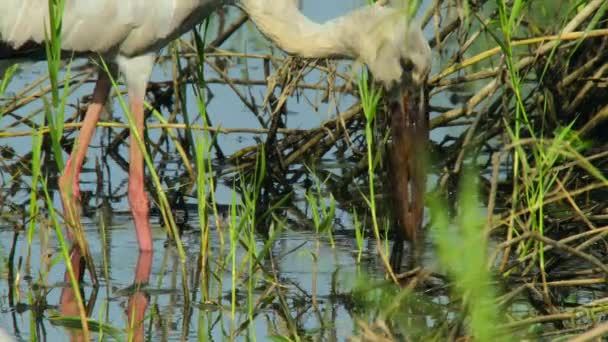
pixel 292 252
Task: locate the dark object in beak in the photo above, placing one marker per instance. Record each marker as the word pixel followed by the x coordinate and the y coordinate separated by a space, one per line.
pixel 410 133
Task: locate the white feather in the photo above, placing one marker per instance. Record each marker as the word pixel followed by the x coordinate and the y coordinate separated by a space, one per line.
pixel 128 26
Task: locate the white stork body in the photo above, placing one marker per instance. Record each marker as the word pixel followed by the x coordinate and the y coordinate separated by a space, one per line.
pixel 126 27
pixel 130 32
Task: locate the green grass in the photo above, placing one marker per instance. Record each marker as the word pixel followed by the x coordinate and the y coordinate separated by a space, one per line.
pixel 322 207
pixel 534 158
pixel 462 250
pixel 9 73
pixel 370 99
pixel 56 109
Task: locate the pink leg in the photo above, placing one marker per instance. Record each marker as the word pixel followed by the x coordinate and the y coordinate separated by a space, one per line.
pixel 137 72
pixel 137 194
pixel 69 183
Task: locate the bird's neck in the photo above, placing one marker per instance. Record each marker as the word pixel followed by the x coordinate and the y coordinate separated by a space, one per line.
pixel 283 23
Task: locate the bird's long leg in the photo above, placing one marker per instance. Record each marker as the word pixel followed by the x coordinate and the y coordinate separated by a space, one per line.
pixel 69 183
pixel 137 72
pixel 137 194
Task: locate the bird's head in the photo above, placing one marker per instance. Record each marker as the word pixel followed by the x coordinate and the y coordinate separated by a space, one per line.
pixel 393 47
pixel 398 56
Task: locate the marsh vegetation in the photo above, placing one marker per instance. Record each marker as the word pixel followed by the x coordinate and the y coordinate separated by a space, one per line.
pixel 270 183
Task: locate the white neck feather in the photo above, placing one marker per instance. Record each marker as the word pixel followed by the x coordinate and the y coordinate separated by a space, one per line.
pixel 283 23
pixel 379 36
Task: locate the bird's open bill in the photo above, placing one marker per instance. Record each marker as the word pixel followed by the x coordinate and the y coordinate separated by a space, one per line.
pixel 409 130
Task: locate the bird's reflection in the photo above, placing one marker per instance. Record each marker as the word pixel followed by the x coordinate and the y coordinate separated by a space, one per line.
pixel 137 303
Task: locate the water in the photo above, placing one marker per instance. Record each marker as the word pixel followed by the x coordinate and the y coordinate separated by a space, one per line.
pixel 292 252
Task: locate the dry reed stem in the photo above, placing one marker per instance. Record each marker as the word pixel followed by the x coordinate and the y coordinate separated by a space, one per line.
pixel 597 332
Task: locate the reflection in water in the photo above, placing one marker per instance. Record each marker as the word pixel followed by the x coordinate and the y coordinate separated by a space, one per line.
pixel 139 300
pixel 69 300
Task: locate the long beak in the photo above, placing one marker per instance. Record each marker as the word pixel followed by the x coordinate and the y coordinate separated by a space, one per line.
pixel 410 133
